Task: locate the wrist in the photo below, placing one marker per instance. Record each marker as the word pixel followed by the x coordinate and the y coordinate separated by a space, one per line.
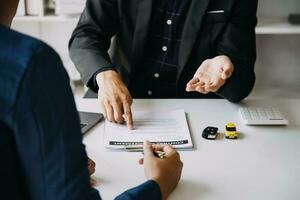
pixel 164 191
pixel 104 74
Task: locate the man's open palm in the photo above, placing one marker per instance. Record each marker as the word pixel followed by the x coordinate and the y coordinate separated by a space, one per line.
pixel 211 75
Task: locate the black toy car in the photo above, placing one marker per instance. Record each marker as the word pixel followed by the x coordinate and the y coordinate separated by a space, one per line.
pixel 210 133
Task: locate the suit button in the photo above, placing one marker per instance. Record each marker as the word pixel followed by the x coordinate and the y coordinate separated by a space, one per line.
pixel 156 75
pixel 169 22
pixel 164 48
pixel 149 92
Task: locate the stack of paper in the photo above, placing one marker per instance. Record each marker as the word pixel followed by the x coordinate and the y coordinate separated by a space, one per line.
pixel 158 127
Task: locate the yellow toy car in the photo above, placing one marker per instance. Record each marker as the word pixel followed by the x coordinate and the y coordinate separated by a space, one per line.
pixel 230 131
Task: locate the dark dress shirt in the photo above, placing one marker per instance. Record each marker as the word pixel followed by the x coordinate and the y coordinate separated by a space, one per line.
pixel 156 77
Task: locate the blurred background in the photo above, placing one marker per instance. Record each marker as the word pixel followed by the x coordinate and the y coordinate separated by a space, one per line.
pixel 278 41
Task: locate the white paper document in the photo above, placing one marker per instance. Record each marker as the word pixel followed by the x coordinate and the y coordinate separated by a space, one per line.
pixel 169 127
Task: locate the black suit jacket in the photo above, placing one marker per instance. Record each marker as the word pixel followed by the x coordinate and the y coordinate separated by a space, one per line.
pixel 206 34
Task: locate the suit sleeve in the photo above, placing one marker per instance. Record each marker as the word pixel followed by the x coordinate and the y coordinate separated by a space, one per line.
pixel 48 136
pixel 91 39
pixel 48 139
pixel 238 43
pixel 147 191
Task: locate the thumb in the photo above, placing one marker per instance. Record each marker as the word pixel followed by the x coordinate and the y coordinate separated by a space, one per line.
pixel 224 76
pixel 227 70
pixel 148 151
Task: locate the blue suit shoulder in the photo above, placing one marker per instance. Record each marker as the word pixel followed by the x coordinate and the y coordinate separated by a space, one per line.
pixel 19 48
pixel 16 56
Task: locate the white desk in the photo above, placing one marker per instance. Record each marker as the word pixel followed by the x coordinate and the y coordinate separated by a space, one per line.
pixel 263 164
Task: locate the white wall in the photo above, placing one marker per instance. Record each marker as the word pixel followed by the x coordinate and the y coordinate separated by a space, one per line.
pixel 277 8
pixel 278 55
pixel 56 34
pixel 278 66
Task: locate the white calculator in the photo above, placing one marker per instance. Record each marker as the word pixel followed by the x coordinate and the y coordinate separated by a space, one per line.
pixel 262 116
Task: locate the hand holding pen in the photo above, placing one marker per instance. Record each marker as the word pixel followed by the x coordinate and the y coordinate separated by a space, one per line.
pixel 165 172
pixel 140 148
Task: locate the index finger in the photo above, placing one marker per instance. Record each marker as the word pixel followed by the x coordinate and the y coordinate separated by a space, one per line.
pixel 192 84
pixel 193 81
pixel 128 115
pixel 169 150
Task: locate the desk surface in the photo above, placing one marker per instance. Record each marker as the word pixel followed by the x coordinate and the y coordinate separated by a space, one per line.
pixel 264 163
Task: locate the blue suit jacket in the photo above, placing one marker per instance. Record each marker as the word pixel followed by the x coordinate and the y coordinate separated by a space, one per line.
pixel 41 150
